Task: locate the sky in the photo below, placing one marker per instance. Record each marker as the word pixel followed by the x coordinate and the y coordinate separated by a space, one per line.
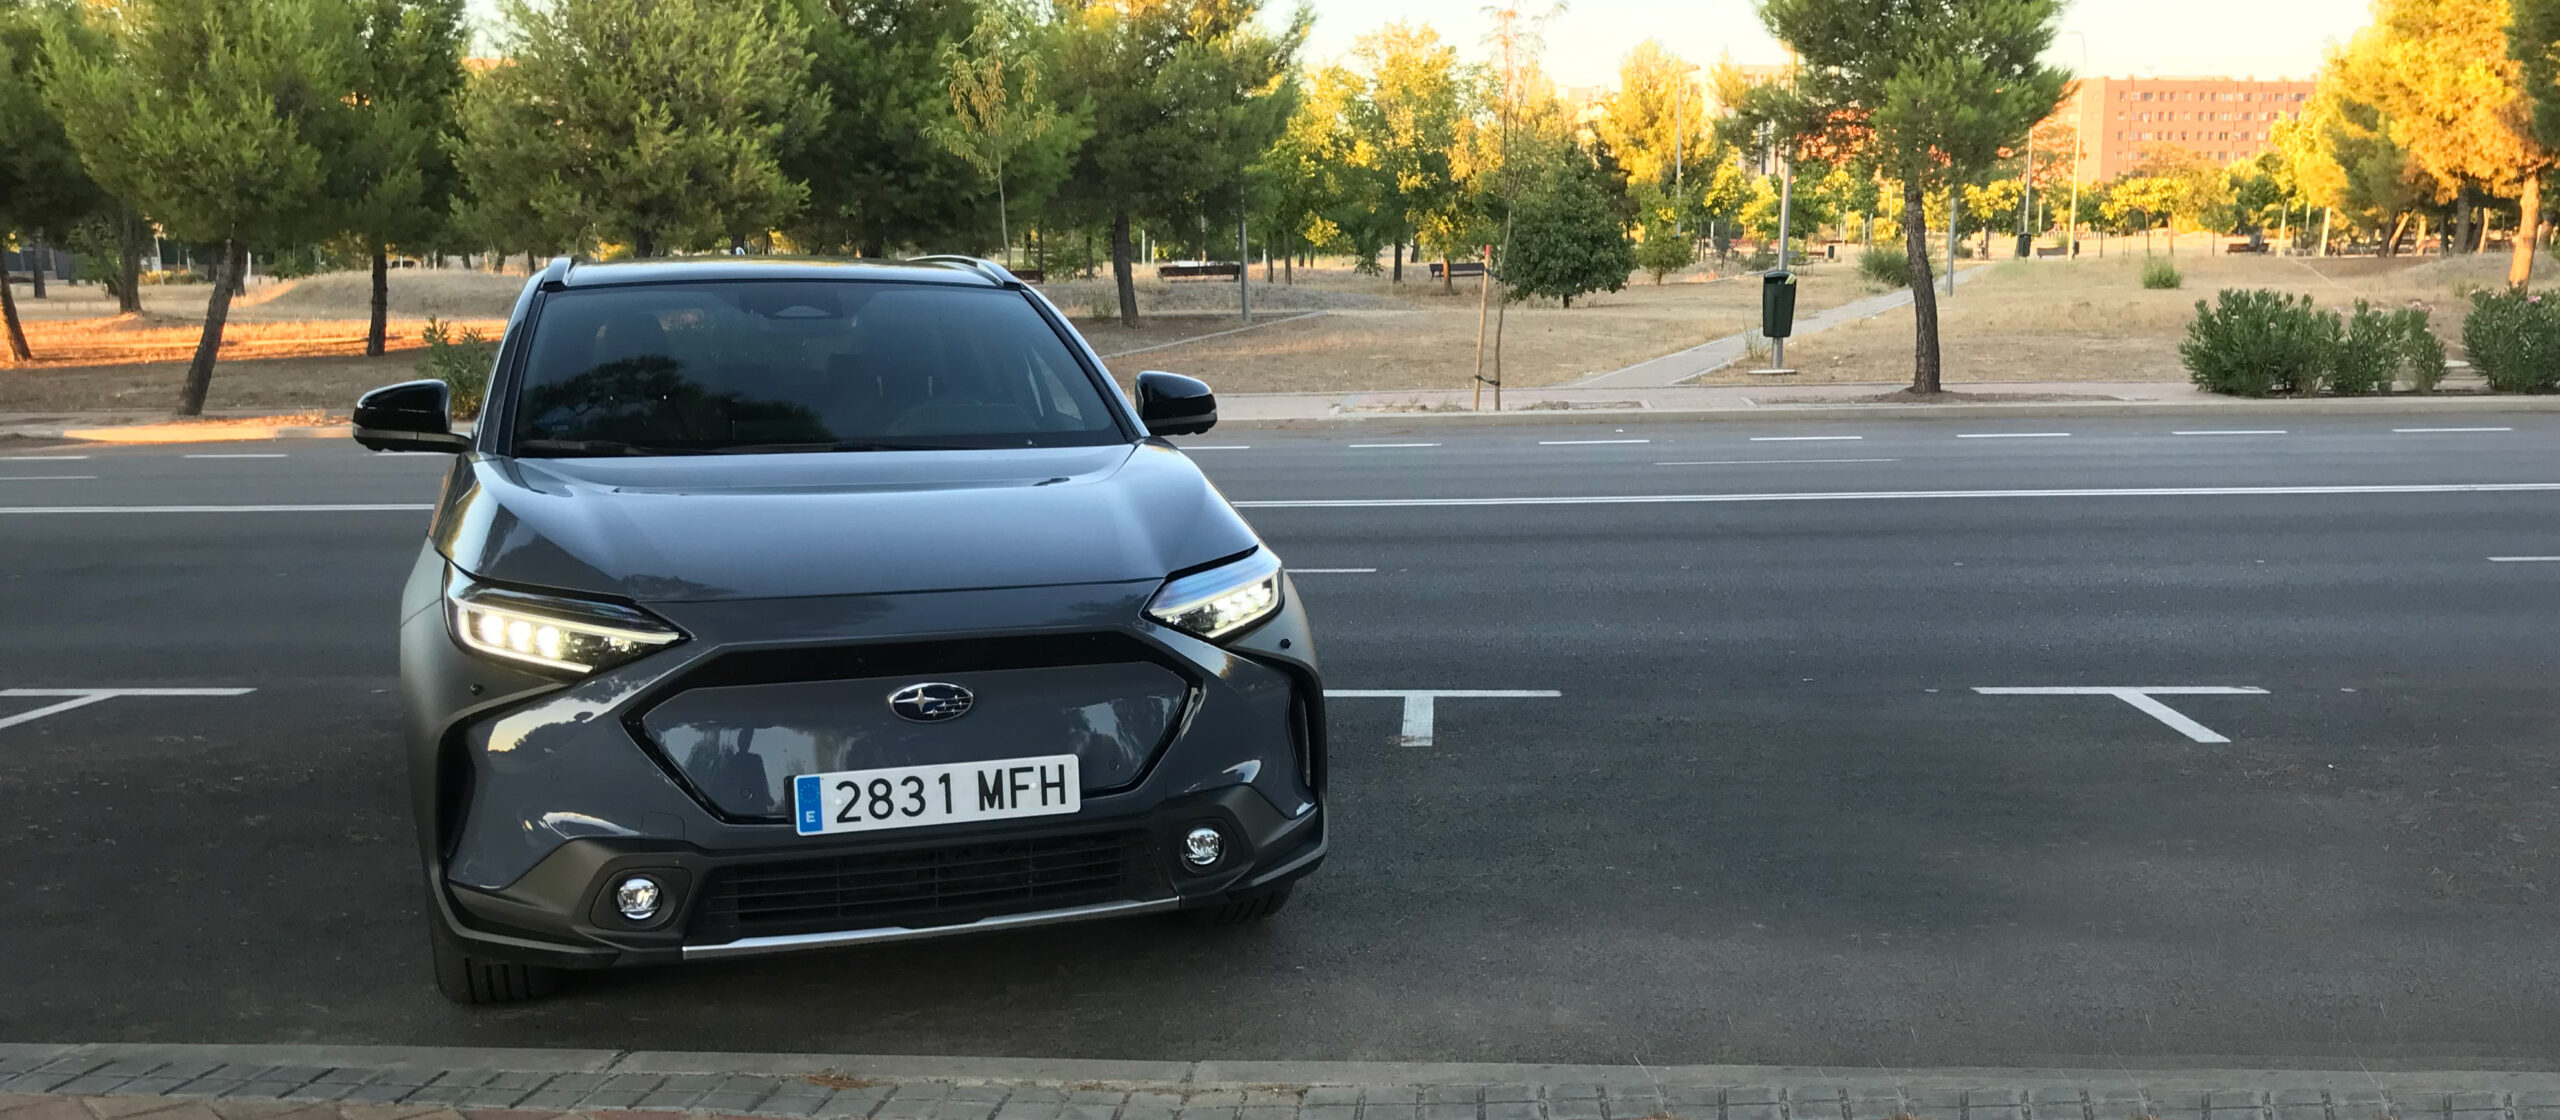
pixel 2264 38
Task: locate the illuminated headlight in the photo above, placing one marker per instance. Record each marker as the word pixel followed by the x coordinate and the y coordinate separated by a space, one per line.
pixel 568 635
pixel 1222 600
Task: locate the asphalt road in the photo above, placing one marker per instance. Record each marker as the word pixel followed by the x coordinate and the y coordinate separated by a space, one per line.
pixel 1768 819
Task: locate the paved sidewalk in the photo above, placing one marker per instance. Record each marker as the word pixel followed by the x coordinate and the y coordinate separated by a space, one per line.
pixel 118 1082
pixel 1677 368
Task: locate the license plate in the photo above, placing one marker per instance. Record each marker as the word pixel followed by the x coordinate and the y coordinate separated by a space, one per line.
pixel 950 793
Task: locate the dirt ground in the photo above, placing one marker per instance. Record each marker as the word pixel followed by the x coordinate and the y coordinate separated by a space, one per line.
pixel 297 343
pixel 2091 319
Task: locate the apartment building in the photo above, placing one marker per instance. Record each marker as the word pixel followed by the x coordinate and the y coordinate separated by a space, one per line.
pixel 2225 120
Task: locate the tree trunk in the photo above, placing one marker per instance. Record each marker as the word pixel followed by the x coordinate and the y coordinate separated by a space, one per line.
pixel 2391 246
pixel 37 257
pixel 643 245
pixel 2528 231
pixel 226 283
pixel 128 261
pixel 1289 264
pixel 1399 273
pixel 2461 242
pixel 1121 276
pixel 9 315
pixel 1924 293
pixel 380 322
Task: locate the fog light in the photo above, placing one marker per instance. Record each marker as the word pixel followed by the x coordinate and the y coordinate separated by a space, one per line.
pixel 637 898
pixel 1203 847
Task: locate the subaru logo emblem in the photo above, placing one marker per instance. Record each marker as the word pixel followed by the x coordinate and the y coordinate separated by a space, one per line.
pixel 931 702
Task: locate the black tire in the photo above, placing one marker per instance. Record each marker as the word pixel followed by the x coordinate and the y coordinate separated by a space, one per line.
pixel 479 981
pixel 1240 911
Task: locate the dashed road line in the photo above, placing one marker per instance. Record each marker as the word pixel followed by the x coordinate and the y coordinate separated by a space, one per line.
pixel 1214 447
pixel 1801 439
pixel 1332 571
pixel 1759 462
pixel 47 477
pixel 41 458
pixel 1900 495
pixel 2232 432
pixel 2414 431
pixel 2524 559
pixel 385 507
pixel 1393 445
pixel 1569 442
pixel 239 455
pixel 1418 703
pixel 2013 435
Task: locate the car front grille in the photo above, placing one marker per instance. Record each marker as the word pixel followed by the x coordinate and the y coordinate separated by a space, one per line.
pixel 923 888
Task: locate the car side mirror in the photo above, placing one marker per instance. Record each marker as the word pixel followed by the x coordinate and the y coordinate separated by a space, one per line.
pixel 1170 404
pixel 409 416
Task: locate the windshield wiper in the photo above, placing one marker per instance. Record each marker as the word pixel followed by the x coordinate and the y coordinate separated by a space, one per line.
pixel 836 445
pixel 577 448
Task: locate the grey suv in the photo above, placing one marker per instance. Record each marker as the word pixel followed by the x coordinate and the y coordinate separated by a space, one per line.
pixel 778 605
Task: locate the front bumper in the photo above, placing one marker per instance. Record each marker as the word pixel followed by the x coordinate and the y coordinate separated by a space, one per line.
pixel 535 797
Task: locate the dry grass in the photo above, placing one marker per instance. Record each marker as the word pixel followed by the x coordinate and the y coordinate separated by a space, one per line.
pixel 125 339
pixel 331 382
pixel 1431 342
pixel 2091 320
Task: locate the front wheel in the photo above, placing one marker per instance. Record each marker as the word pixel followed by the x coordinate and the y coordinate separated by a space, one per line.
pixel 1241 911
pixel 477 981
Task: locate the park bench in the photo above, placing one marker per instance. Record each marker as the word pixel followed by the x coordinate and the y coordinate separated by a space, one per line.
pixel 2245 247
pixel 1457 269
pixel 1219 270
pixel 1031 275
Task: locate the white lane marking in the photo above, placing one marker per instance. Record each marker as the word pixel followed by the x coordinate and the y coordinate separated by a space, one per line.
pixel 1800 439
pixel 45 477
pixel 41 458
pixel 1891 495
pixel 2141 699
pixel 1418 703
pixel 1570 442
pixel 83 697
pixel 379 508
pixel 1331 571
pixel 1742 462
pixel 2233 432
pixel 2524 559
pixel 1213 447
pixel 1394 445
pixel 2013 435
pixel 237 455
pixel 2406 431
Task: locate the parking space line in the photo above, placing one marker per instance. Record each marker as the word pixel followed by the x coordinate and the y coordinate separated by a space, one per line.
pixel 83 697
pixel 2524 559
pixel 1745 462
pixel 2412 431
pixel 1569 442
pixel 47 477
pixel 2142 699
pixel 41 458
pixel 1214 447
pixel 2232 432
pixel 1394 445
pixel 1332 571
pixel 1801 439
pixel 237 455
pixel 1419 703
pixel 386 507
pixel 2013 435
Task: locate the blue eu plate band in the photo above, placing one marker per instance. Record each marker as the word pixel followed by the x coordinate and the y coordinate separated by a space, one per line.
pixel 811 803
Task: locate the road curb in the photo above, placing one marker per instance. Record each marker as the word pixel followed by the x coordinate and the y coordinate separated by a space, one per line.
pixel 537 1078
pixel 1980 411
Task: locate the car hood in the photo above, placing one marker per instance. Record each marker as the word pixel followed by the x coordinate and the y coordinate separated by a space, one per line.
pixel 715 527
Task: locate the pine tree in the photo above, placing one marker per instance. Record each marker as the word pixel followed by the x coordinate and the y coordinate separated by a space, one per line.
pixel 210 116
pixel 398 181
pixel 1928 92
pixel 882 69
pixel 42 185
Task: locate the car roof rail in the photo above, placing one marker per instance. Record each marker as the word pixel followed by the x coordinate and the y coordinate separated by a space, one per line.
pixel 555 275
pixel 980 265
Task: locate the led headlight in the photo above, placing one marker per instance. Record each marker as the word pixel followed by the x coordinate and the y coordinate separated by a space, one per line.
pixel 569 635
pixel 1222 600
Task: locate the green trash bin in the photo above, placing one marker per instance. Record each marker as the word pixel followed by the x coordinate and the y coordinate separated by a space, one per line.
pixel 1777 304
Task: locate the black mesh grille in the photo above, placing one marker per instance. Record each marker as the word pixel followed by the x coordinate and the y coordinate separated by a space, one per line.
pixel 923 888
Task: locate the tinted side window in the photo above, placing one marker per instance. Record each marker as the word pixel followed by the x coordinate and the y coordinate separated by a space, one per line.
pixel 798 364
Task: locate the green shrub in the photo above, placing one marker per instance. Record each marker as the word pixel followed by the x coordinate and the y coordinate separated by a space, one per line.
pixel 1663 252
pixel 2378 347
pixel 2514 339
pixel 2255 342
pixel 1761 259
pixel 461 362
pixel 2422 352
pixel 2159 274
pixel 1885 268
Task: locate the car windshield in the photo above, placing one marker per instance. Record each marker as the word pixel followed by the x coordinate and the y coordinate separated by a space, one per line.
pixel 800 365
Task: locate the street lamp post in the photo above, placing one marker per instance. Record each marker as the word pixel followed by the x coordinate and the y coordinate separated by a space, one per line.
pixel 2079 113
pixel 1679 156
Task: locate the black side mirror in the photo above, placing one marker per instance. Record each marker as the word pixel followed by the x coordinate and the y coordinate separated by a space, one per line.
pixel 409 416
pixel 1173 405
